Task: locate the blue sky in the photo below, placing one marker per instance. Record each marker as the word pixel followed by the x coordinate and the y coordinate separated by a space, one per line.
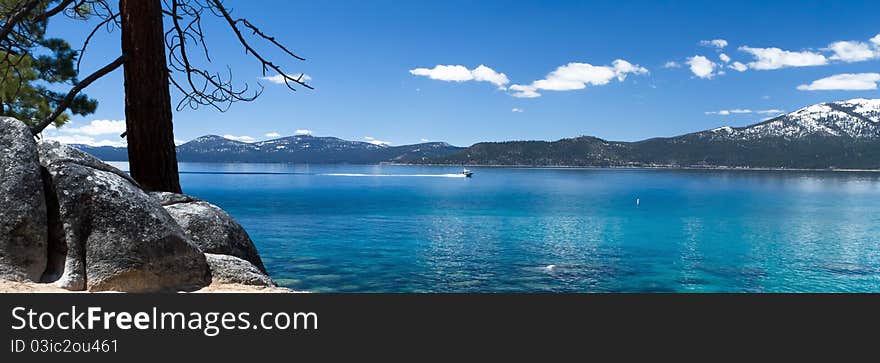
pixel 372 63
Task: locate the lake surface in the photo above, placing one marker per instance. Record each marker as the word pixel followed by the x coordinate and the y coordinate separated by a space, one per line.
pixel 329 228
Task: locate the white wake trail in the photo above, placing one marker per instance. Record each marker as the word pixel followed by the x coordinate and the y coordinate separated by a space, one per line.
pixel 398 175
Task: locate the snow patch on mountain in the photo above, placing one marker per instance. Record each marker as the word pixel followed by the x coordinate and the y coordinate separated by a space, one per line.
pixel 856 118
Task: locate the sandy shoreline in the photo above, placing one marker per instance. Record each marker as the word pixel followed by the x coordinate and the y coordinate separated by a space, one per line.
pixel 13 287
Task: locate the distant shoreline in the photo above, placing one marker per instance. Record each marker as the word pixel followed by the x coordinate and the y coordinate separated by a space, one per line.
pixel 656 167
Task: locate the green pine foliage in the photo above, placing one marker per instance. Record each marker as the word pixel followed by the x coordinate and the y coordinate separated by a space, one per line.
pixel 35 71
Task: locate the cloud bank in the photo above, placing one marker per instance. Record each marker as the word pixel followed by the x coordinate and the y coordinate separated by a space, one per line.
pixel 96 127
pixel 844 82
pixel 459 73
pixel 852 51
pixel 771 58
pixel 744 111
pixel 86 135
pixel 775 58
pixel 577 76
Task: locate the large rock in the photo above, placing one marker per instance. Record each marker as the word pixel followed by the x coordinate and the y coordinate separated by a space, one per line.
pixel 231 269
pixel 210 228
pixel 23 226
pixel 117 237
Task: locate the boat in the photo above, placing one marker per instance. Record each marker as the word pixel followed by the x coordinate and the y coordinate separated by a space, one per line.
pixel 467 173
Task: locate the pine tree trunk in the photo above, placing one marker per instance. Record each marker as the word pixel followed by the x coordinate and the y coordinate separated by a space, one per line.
pixel 151 153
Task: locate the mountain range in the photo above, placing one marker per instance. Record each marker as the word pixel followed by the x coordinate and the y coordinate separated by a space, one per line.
pixel 842 134
pixel 304 149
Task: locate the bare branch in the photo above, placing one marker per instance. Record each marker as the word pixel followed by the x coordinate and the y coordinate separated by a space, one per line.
pixel 75 90
pixel 258 32
pixel 89 38
pixel 204 88
pixel 233 23
pixel 166 12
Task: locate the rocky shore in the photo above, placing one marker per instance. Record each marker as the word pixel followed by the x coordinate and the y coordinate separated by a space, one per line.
pixel 70 222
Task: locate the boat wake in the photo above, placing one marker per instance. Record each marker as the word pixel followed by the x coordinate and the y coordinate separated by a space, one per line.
pixel 239 173
pixel 399 175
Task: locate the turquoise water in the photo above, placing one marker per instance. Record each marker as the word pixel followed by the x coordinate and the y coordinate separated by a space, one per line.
pixel 413 229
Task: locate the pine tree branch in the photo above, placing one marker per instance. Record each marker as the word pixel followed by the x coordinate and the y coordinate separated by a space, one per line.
pixel 75 90
pixel 17 17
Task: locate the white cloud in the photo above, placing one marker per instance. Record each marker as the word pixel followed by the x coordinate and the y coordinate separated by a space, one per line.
pixel 302 132
pixel 702 67
pixel 85 135
pixel 722 112
pixel 240 138
pixel 96 127
pixel 84 140
pixel 742 111
pixel 852 51
pixel 458 73
pixel 424 140
pixel 717 43
pixel 729 112
pixel 517 110
pixel 374 141
pixel 445 73
pixel 273 134
pixel 576 76
pixel 279 79
pixel 739 67
pixel 486 74
pixel 622 68
pixel 178 142
pixel 775 58
pixel 524 91
pixel 671 64
pixel 844 82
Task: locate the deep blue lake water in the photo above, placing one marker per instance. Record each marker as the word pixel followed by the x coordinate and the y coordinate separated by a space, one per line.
pixel 329 228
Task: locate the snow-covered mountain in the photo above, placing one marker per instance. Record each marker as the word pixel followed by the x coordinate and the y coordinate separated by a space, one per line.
pixel 306 149
pixel 843 134
pixel 291 149
pixel 214 144
pixel 857 118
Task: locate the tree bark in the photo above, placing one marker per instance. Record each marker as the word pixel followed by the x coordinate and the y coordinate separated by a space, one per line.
pixel 151 153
